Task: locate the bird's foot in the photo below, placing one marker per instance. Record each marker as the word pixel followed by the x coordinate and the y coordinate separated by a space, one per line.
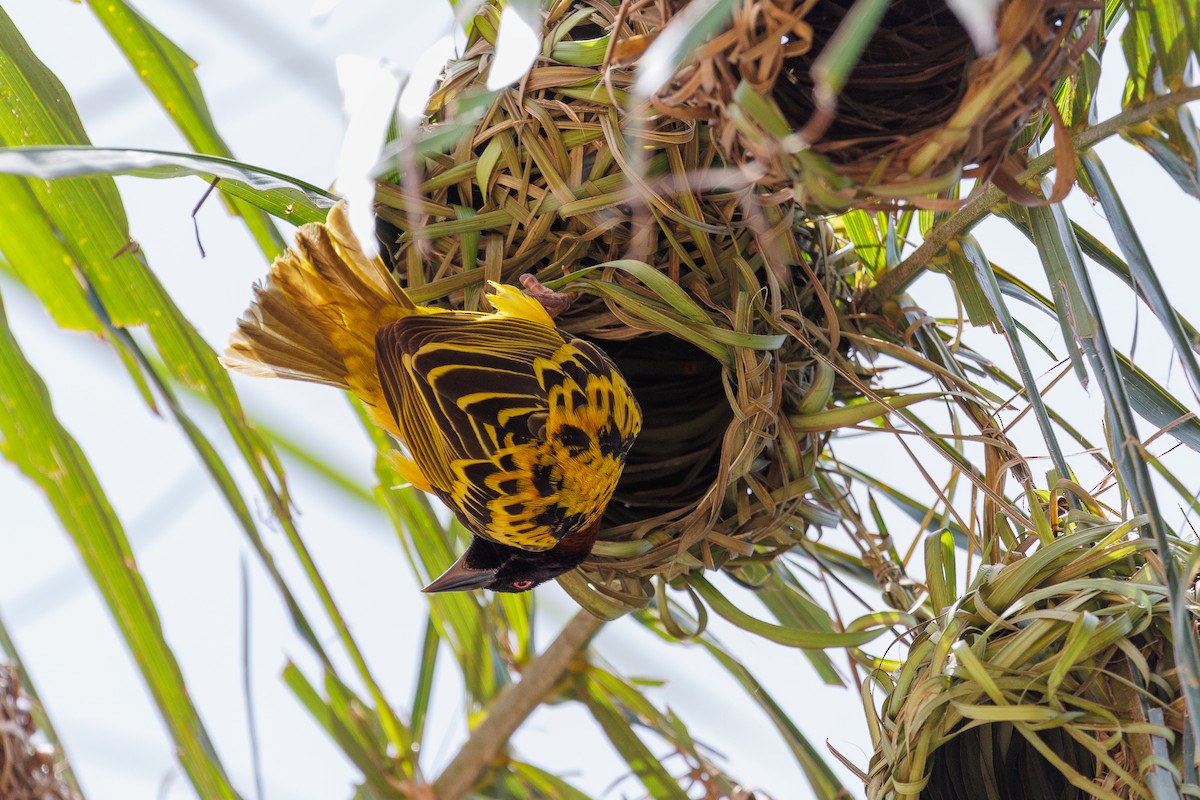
pixel 554 302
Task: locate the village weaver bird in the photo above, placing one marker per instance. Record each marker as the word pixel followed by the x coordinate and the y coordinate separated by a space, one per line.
pixel 521 431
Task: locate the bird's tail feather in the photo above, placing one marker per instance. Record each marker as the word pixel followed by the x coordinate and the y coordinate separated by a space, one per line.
pixel 315 316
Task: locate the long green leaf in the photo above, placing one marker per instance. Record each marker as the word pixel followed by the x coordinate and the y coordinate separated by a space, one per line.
pixel 284 197
pixel 1045 238
pixel 343 725
pixel 543 785
pixel 87 216
pixel 40 259
pixel 425 672
pixel 168 73
pixel 912 508
pixel 1158 406
pixel 1089 328
pixel 1142 272
pixel 967 273
pixel 859 632
pixel 792 606
pixel 35 441
pixel 658 782
pixel 1096 250
pixel 1150 399
pixel 459 617
pixel 820 777
pixel 973 253
pixel 216 468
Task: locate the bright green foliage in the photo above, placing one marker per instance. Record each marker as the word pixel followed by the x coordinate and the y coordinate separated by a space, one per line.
pixel 64 239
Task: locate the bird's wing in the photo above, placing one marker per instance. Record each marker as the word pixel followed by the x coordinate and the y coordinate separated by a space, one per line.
pixel 468 391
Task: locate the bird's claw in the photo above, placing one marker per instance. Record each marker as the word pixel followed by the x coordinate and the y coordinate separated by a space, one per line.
pixel 554 302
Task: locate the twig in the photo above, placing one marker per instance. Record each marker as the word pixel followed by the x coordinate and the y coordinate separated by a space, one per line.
pixel 896 279
pixel 512 706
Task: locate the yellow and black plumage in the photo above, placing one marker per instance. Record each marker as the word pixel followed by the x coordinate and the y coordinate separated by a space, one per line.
pixel 521 431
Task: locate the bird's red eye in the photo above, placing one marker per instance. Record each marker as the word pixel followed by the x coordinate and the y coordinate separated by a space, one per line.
pixel 521 586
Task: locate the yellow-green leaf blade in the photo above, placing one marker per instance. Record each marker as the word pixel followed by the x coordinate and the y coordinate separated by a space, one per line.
pixel 168 73
pixel 37 444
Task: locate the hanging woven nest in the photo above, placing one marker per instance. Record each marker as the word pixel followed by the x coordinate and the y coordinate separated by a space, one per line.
pixel 920 110
pixel 27 769
pixel 714 298
pixel 1054 676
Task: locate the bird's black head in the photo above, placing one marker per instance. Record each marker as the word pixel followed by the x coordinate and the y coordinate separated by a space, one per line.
pixel 499 568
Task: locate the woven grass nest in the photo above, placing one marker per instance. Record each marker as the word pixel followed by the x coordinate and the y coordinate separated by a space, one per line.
pixel 920 110
pixel 1053 677
pixel 27 769
pixel 715 300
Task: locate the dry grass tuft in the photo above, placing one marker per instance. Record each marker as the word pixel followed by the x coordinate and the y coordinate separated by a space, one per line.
pixel 27 770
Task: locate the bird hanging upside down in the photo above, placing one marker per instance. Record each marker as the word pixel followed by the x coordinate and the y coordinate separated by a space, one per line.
pixel 522 432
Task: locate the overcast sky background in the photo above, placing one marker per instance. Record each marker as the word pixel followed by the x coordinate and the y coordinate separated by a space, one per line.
pixel 267 69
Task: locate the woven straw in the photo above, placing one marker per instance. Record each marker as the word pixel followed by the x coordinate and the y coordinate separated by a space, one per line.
pixel 920 110
pixel 27 770
pixel 1063 655
pixel 718 336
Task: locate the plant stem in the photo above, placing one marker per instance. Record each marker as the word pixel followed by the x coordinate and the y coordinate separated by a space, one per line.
pixel 897 279
pixel 512 706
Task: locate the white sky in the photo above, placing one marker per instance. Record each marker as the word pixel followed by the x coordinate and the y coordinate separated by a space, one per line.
pixel 268 72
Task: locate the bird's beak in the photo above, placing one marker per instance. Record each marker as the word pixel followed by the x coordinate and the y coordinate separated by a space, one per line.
pixel 461 578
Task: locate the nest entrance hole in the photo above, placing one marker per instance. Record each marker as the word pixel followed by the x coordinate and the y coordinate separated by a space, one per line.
pixel 685 414
pixel 910 78
pixel 996 755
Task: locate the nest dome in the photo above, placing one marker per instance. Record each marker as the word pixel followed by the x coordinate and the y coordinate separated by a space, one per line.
pixel 711 293
pixel 1054 676
pixel 920 110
